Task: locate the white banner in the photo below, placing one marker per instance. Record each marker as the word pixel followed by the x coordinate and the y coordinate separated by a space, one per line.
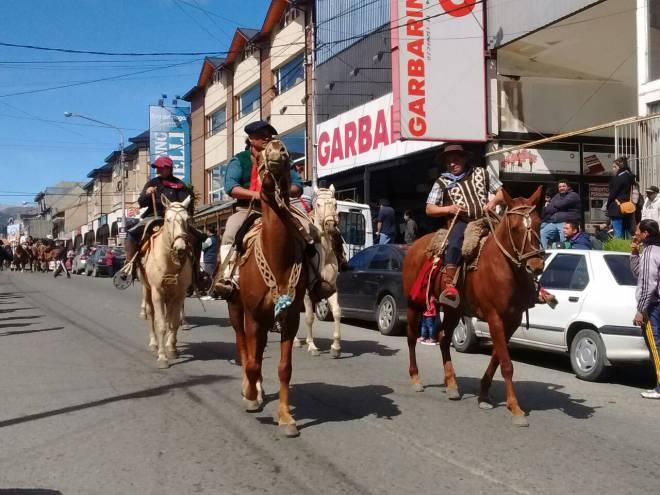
pixel 535 161
pixel 439 75
pixel 359 137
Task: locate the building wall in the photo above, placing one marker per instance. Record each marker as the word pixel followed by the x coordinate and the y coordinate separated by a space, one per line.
pixel 287 42
pixel 198 146
pixel 76 216
pixel 216 94
pixel 246 73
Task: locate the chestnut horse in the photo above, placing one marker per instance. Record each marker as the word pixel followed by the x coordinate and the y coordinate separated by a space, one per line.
pixel 272 287
pixel 498 292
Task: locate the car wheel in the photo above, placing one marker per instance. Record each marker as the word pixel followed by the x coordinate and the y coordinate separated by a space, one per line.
pixel 464 339
pixel 588 355
pixel 387 317
pixel 322 310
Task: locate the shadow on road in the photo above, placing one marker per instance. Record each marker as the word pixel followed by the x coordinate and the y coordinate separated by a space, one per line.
pixel 140 394
pixel 23 332
pixel 211 321
pixel 7 318
pixel 355 348
pixel 533 396
pixel 206 351
pixel 29 491
pixel 11 310
pixel 318 403
pixel 15 325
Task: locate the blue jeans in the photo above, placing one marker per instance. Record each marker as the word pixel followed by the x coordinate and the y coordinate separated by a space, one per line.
pixel 652 334
pixel 620 227
pixel 551 232
pixel 455 243
pixel 427 327
pixel 384 239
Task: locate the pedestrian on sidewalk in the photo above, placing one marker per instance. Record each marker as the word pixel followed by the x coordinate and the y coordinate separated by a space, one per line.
pixel 651 208
pixel 620 193
pixel 428 324
pixel 645 267
pixel 386 226
pixel 562 207
pixel 410 233
pixel 210 255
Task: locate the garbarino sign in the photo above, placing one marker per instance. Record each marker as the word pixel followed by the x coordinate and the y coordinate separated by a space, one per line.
pixel 439 74
pixel 169 135
pixel 360 137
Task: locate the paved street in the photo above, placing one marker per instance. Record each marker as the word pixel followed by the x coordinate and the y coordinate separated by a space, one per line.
pixel 85 411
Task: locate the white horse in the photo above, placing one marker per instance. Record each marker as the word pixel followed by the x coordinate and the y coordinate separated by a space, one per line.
pixel 166 273
pixel 326 221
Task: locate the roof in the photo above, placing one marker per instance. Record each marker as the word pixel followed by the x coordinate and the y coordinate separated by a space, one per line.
pixel 140 138
pixel 242 37
pixel 190 93
pixel 103 169
pixel 210 65
pixel 273 16
pixel 112 156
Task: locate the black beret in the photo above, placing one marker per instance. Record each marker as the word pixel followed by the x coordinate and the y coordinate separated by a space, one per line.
pixel 259 126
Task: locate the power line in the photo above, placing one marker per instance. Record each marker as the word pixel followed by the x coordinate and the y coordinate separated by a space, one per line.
pixel 185 12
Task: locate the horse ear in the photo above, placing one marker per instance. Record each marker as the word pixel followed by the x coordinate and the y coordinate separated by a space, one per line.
pixel 535 198
pixel 507 198
pixel 165 201
pixel 186 202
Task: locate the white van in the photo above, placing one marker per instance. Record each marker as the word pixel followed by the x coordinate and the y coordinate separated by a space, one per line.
pixel 355 226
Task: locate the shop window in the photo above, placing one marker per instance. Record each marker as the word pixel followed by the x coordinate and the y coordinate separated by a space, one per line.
pixel 217 121
pixel 290 74
pixel 248 101
pixel 294 142
pixel 216 181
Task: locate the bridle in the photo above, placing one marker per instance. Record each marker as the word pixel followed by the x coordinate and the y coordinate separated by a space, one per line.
pixel 325 199
pixel 520 254
pixel 169 231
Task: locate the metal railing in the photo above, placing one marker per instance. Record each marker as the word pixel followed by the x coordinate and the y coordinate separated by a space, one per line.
pixel 639 140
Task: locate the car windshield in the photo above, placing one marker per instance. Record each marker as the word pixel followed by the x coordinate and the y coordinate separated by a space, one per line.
pixel 619 265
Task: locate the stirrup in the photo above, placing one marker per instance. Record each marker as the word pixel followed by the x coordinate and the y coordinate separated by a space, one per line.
pixel 450 297
pixel 224 289
pixel 124 278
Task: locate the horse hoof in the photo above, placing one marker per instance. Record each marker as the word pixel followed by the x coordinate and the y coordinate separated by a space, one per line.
pixel 520 421
pixel 163 364
pixel 289 431
pixel 335 353
pixel 172 354
pixel 186 326
pixel 314 352
pixel 153 347
pixel 453 394
pixel 143 315
pixel 251 406
pixel 485 405
pixel 418 387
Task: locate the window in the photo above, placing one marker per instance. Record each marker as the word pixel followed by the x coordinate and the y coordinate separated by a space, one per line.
pixel 295 143
pixel 352 227
pixel 217 76
pixel 217 183
pixel 289 16
pixel 381 259
pixel 290 74
pixel 619 265
pixel 217 121
pixel 248 101
pixel 360 260
pixel 566 272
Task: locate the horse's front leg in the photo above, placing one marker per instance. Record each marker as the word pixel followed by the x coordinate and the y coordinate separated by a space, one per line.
pixel 485 401
pixel 286 422
pixel 159 325
pixel 252 362
pixel 148 309
pixel 173 323
pixel 412 333
pixel 449 322
pixel 309 323
pixel 335 348
pixel 500 336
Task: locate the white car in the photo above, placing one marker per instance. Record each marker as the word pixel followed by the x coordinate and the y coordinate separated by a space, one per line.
pixel 593 320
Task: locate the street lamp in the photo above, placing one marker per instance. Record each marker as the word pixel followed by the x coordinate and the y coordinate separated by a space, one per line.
pixel 121 163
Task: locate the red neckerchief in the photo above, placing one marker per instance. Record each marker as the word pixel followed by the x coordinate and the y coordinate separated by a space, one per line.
pixel 255 180
pixel 171 184
pixel 307 207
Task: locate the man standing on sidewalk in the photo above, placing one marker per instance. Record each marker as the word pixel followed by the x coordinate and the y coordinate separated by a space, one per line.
pixel 210 254
pixel 646 267
pixel 386 226
pixel 651 208
pixel 563 207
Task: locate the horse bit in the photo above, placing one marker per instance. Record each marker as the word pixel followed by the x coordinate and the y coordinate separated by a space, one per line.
pixel 520 255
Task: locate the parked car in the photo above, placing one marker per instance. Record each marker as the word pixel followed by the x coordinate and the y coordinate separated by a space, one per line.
pixel 592 322
pixel 105 261
pixel 371 288
pixel 80 259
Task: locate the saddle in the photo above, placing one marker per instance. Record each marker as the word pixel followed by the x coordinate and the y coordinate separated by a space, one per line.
pixel 150 232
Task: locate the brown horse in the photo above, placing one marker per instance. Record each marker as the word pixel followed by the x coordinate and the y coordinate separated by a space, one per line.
pixel 498 292
pixel 273 271
pixel 22 258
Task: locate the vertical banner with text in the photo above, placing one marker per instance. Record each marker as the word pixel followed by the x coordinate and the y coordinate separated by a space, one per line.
pixel 169 135
pixel 439 75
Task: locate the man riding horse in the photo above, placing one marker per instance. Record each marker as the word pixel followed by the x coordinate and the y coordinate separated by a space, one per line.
pixel 243 184
pixel 163 185
pixel 461 194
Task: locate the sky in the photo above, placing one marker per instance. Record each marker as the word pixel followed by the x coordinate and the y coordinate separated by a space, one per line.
pixel 40 146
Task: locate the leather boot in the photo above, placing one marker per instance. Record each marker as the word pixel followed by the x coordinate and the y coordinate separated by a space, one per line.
pixel 449 296
pixel 224 286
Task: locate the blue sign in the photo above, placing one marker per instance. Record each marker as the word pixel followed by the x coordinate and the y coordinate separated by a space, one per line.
pixel 169 135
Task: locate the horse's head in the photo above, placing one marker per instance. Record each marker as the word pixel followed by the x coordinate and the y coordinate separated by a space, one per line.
pixel 176 226
pixel 325 209
pixel 523 223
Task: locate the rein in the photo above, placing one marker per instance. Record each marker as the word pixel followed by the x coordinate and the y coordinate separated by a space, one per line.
pixel 519 255
pixel 184 235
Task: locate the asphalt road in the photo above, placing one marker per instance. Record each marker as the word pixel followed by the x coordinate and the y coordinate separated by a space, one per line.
pixel 83 410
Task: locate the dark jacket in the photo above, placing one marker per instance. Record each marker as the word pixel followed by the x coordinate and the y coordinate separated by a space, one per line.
pixel 172 188
pixel 563 208
pixel 619 188
pixel 211 252
pixel 580 241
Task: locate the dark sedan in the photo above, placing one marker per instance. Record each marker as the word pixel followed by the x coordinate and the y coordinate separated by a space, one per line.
pixel 105 261
pixel 371 288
